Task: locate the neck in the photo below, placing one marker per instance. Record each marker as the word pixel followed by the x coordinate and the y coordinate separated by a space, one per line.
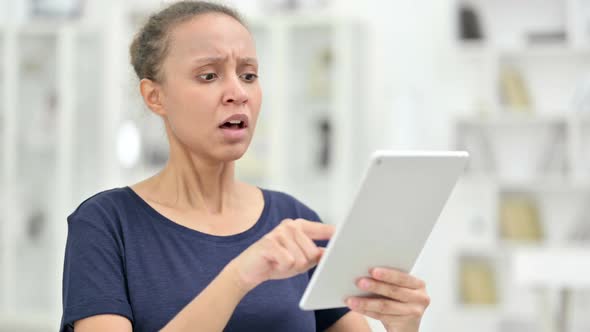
pixel 191 182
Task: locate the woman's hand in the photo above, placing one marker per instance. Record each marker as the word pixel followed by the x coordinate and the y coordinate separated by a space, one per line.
pixel 401 303
pixel 284 252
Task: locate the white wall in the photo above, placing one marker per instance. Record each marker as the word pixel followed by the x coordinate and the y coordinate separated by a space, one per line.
pixel 407 38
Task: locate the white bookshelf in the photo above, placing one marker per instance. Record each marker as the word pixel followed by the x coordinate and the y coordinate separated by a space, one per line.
pixel 537 154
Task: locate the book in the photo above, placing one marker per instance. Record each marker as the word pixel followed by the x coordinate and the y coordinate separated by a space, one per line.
pixel 477 282
pixel 519 220
pixel 513 90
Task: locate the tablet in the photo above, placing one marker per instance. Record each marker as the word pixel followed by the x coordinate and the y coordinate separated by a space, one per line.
pixel 395 209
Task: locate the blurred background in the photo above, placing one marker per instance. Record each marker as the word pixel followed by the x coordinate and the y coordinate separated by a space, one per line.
pixel 508 81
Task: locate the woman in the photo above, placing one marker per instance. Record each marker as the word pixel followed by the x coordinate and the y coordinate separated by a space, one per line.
pixel 191 248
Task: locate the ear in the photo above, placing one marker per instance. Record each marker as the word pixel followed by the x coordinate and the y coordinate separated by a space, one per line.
pixel 152 96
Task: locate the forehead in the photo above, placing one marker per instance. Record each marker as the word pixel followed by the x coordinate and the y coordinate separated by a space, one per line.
pixel 208 34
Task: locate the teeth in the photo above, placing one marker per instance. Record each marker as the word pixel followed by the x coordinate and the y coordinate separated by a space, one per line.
pixel 235 122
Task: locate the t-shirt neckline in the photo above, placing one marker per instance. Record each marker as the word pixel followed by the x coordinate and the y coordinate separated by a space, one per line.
pixel 228 239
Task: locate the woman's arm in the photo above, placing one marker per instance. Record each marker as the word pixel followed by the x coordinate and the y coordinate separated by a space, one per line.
pixel 209 311
pixel 98 323
pixel 213 307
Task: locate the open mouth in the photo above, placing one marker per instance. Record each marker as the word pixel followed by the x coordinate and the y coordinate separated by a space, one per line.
pixel 234 124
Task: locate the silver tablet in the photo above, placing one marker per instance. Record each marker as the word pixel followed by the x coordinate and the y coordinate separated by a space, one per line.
pixel 395 209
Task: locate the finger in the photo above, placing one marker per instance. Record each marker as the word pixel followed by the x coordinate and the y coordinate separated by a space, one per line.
pixel 309 248
pixel 388 290
pixel 317 230
pixel 382 306
pixel 376 315
pixel 282 258
pixel 285 239
pixel 396 277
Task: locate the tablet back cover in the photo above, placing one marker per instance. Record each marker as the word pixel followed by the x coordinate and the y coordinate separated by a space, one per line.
pixel 400 199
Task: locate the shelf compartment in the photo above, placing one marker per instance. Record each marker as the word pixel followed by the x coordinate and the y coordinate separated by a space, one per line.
pixel 493 288
pixel 559 218
pixel 516 148
pixel 550 81
pixel 516 23
pixel 310 109
pixel 477 281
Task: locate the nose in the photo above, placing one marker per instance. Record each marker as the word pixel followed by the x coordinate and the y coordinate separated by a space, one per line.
pixel 235 93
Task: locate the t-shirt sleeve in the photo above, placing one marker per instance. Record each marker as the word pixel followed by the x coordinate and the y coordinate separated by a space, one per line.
pixel 93 276
pixel 327 317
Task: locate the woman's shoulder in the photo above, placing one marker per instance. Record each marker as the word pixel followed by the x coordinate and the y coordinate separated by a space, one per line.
pixel 103 205
pixel 288 204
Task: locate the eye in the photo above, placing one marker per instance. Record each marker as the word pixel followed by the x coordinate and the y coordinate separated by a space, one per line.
pixel 208 77
pixel 249 77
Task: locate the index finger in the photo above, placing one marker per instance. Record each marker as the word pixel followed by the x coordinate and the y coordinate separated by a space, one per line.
pixel 316 230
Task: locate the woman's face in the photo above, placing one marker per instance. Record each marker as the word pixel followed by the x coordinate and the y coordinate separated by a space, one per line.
pixel 210 91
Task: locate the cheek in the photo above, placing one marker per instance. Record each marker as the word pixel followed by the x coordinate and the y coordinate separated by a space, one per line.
pixel 191 103
pixel 189 114
pixel 256 100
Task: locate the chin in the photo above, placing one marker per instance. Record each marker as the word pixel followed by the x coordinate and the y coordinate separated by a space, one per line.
pixel 232 153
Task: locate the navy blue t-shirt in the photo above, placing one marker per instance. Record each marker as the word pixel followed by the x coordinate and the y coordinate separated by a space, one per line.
pixel 123 257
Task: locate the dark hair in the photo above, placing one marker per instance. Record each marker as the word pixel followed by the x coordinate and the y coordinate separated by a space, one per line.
pixel 150 44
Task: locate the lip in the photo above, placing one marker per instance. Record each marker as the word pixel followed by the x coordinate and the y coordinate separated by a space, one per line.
pixel 240 117
pixel 235 135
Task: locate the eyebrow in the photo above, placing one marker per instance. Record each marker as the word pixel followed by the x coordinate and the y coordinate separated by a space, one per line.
pixel 217 59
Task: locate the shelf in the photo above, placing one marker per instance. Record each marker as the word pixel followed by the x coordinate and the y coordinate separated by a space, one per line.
pixel 40 28
pixel 299 20
pixel 489 311
pixel 508 247
pixel 541 51
pixel 550 51
pixel 553 267
pixel 545 184
pixel 508 118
